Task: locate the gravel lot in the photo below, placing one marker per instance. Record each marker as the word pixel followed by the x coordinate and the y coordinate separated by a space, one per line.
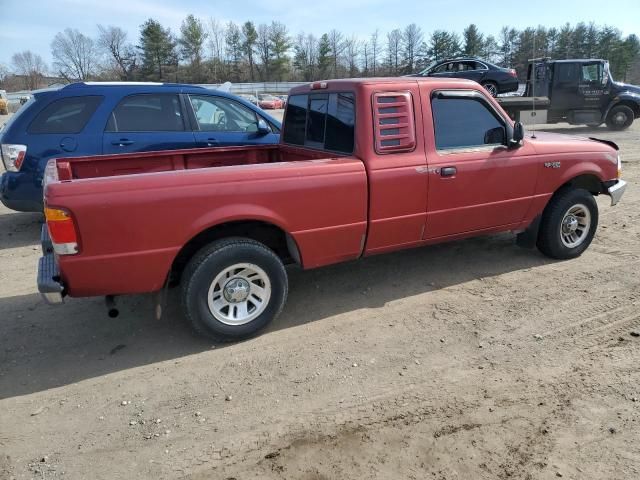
pixel 470 360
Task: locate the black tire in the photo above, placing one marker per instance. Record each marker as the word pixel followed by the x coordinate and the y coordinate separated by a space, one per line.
pixel 491 87
pixel 212 260
pixel 550 236
pixel 620 118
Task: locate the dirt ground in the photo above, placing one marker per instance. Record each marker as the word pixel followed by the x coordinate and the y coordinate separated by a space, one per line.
pixel 469 360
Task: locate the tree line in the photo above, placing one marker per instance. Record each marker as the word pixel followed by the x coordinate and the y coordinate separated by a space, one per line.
pixel 214 52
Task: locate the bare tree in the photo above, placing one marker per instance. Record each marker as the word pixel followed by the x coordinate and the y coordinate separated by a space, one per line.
pixel 113 42
pixel 4 73
pixel 337 44
pixel 394 43
pixel 216 42
pixel 375 51
pixel 412 38
pixel 74 54
pixel 30 66
pixel 263 47
pixel 305 57
pixel 352 51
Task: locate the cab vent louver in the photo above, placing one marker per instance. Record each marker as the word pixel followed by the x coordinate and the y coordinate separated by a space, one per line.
pixel 393 122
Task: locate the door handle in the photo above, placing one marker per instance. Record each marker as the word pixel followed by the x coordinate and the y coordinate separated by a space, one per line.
pixel 122 142
pixel 448 171
pixel 212 142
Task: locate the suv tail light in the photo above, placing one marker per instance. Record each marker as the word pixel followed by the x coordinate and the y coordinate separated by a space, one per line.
pixel 13 156
pixel 62 231
pixel 513 73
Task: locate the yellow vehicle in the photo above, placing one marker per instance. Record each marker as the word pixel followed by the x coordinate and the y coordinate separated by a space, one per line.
pixel 4 103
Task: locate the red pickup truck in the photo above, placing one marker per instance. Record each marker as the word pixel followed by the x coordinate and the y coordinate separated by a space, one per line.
pixel 363 167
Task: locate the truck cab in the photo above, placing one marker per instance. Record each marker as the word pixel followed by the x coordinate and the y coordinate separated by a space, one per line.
pixel 576 91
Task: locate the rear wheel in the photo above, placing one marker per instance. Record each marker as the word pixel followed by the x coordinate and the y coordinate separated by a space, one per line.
pixel 620 118
pixel 568 224
pixel 491 87
pixel 233 288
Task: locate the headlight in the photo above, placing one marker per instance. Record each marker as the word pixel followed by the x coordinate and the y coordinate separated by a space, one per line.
pixel 619 166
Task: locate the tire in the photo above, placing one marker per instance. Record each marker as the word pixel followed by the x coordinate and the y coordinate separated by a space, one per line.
pixel 491 87
pixel 569 209
pixel 620 118
pixel 224 276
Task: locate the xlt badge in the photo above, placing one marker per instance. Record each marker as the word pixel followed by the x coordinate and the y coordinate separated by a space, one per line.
pixel 552 164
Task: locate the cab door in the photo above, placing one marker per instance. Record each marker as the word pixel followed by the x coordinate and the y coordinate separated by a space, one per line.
pixel 476 182
pixel 565 93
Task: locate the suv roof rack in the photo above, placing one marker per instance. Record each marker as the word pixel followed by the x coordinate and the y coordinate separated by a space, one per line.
pixel 123 84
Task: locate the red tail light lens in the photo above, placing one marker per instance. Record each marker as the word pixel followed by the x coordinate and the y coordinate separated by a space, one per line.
pixel 62 231
pixel 513 73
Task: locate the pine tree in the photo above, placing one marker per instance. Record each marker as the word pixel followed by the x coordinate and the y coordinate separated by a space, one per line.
pixel 473 41
pixel 157 48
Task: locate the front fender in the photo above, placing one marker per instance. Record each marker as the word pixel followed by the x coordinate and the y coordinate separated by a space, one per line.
pixel 620 98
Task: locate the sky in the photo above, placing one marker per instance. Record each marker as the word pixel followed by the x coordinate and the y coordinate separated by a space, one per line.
pixel 32 24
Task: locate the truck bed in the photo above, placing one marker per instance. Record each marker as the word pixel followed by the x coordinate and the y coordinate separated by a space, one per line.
pixel 163 161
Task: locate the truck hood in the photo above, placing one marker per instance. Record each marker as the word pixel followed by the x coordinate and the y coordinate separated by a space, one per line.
pixel 547 143
pixel 626 87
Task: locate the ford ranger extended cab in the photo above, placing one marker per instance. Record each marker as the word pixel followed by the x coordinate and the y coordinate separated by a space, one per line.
pixel 363 167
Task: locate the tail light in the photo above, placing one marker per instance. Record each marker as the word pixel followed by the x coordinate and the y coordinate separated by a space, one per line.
pixel 62 231
pixel 13 156
pixel 513 73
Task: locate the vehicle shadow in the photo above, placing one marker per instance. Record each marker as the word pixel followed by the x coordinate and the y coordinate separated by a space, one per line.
pixel 45 347
pixel 19 229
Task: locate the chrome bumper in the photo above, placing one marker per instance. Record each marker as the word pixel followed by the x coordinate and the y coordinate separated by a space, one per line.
pixel 616 191
pixel 49 284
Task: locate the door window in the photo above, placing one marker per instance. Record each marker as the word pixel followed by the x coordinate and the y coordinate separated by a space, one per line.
pixel 147 113
pixel 444 68
pixel 464 122
pixel 67 115
pixel 592 73
pixel 217 114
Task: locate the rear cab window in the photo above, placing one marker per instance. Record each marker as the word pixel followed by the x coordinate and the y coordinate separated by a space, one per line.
pixel 323 121
pixel 66 115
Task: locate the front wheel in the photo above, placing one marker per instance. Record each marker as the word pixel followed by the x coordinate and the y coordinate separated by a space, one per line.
pixel 233 288
pixel 568 224
pixel 620 118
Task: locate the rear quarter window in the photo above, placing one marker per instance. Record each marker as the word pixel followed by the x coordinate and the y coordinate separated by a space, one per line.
pixel 322 121
pixel 65 115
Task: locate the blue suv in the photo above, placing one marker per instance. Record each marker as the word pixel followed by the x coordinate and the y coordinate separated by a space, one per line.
pixel 106 118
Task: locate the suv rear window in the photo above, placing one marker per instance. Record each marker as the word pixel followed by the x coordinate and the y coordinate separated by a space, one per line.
pixel 321 120
pixel 66 115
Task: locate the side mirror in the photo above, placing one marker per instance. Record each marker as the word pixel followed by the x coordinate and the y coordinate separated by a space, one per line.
pixel 263 128
pixel 518 134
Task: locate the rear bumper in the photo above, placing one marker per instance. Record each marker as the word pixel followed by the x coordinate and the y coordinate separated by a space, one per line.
pixel 49 283
pixel 21 191
pixel 616 191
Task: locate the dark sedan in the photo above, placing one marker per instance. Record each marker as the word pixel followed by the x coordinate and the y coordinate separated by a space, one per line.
pixel 495 79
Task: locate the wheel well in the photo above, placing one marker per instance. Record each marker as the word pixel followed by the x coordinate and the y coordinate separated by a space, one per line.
pixel 632 105
pixel 591 183
pixel 270 235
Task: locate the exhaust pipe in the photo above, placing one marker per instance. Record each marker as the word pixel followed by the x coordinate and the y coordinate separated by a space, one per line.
pixel 112 310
